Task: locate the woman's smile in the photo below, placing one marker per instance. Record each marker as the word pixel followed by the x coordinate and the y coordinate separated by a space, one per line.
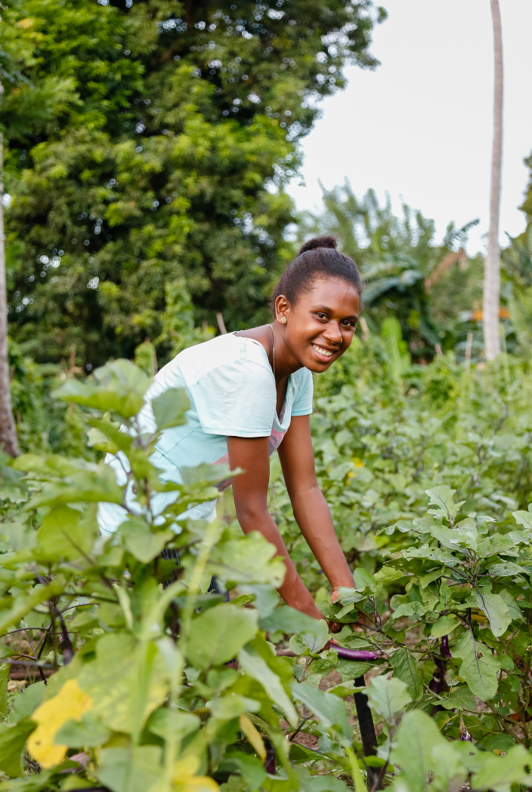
pixel 323 353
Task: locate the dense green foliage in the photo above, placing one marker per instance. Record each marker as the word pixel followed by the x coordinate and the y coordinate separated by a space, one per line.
pixel 151 179
pixel 428 474
pixel 431 288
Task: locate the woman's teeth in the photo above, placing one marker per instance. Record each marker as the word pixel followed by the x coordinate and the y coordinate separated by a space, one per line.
pixel 321 351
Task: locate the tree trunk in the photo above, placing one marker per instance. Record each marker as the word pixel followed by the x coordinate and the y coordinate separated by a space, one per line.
pixel 8 434
pixel 492 266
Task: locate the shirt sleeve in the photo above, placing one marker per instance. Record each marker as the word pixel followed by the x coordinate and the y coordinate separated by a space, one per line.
pixel 303 394
pixel 236 399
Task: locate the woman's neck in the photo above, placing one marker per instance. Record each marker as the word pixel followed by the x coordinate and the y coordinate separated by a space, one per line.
pixel 285 362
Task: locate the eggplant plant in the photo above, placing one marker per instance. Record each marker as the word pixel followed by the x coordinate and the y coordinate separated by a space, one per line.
pixel 141 680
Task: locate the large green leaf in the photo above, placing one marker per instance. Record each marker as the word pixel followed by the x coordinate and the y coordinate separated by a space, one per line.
pixel 121 684
pixel 290 620
pixel 232 706
pixel 330 709
pixel 136 770
pixel 173 723
pixel 169 408
pixel 62 535
pixel 256 667
pixel 496 610
pixel 406 669
pixel 448 770
pixel 388 696
pixel 143 542
pixel 444 626
pixel 499 773
pixel 247 560
pixel 217 634
pixel 119 386
pixel 415 740
pixel 89 731
pixel 82 487
pixel 314 641
pixel 479 668
pixel 442 498
pixel 524 517
pixel 12 741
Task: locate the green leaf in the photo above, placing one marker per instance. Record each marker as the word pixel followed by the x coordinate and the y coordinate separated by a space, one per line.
pixel 415 740
pixel 442 498
pixel 444 626
pixel 170 407
pixel 119 386
pixel 499 773
pixel 496 610
pixel 256 667
pixel 167 723
pixel 330 709
pixel 62 536
pixel 217 634
pixel 523 518
pixel 249 767
pixel 507 569
pixel 90 731
pixel 407 670
pixel 411 609
pixel 249 559
pixel 514 611
pixel 232 706
pixel 114 680
pixel 313 641
pixel 460 698
pixel 82 487
pixel 27 702
pixel 266 598
pixel 12 741
pixel 388 696
pixel 448 768
pixel 125 770
pixel 479 668
pixel 289 620
pixel 141 541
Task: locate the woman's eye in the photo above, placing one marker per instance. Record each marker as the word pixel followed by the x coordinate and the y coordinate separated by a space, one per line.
pixel 321 315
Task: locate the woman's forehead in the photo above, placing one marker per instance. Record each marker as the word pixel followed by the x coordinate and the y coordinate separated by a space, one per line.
pixel 334 293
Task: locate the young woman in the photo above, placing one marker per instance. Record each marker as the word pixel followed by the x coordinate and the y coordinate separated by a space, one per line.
pixel 251 393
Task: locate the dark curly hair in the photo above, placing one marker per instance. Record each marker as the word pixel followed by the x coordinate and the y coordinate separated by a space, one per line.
pixel 318 258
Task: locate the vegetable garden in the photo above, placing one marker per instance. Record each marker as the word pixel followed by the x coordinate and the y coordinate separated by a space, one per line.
pixel 120 672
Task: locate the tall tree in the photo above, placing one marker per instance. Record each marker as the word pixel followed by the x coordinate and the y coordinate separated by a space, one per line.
pixel 492 268
pixel 8 434
pixel 159 183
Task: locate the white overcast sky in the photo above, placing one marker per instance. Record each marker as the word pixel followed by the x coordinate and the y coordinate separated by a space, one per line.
pixel 420 125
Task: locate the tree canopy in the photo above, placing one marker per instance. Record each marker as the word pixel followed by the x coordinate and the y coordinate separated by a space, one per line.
pixel 151 184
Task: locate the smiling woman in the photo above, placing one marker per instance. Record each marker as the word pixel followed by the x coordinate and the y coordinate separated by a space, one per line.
pixel 250 394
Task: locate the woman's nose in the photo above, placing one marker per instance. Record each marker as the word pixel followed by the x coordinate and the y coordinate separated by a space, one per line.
pixel 333 333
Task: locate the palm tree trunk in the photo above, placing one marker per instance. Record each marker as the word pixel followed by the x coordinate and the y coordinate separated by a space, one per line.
pixel 8 434
pixel 492 266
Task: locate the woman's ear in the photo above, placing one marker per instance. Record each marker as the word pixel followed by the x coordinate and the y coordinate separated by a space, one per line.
pixel 282 309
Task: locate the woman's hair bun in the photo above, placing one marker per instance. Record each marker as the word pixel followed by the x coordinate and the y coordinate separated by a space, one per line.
pixel 318 242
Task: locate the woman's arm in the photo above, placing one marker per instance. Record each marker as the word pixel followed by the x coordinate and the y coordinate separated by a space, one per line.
pixel 250 491
pixel 310 508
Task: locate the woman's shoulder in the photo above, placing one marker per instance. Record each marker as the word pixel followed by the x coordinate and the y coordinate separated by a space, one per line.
pixel 223 352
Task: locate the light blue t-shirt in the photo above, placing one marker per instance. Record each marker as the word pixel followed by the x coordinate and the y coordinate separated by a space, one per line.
pixel 232 393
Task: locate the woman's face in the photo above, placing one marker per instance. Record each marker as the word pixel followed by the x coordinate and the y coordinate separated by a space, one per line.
pixel 320 326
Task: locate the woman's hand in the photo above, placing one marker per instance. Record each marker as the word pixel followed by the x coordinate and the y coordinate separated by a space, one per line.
pixel 336 627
